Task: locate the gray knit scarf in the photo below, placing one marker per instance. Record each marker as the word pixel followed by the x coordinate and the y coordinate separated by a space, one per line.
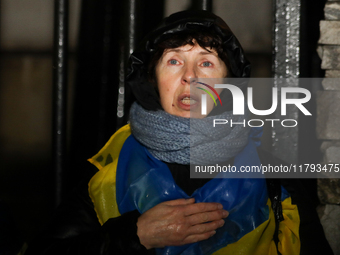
pixel 186 141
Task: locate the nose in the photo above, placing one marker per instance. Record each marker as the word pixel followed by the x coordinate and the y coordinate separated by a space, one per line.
pixel 189 72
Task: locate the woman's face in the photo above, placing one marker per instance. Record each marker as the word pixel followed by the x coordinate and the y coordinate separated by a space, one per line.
pixel 173 72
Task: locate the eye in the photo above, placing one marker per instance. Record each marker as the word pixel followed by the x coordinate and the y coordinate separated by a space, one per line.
pixel 173 62
pixel 206 64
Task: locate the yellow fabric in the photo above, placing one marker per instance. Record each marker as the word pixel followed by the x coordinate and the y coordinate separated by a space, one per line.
pixel 102 186
pixel 257 242
pixel 112 147
pixel 102 190
pixel 289 240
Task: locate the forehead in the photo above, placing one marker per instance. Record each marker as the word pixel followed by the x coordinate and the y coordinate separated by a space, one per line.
pixel 191 49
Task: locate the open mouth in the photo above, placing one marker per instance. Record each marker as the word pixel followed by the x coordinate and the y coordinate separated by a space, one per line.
pixel 188 101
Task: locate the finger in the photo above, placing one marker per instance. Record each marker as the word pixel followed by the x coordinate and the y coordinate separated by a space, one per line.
pixel 201 207
pixel 198 237
pixel 199 218
pixel 181 201
pixel 205 227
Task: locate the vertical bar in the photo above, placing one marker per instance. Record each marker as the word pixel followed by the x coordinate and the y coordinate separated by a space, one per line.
pixel 133 24
pixel 206 5
pixel 202 5
pixel 59 93
pixel 286 65
pixel 138 25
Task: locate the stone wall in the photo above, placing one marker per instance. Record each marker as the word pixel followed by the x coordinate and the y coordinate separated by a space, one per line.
pixel 328 121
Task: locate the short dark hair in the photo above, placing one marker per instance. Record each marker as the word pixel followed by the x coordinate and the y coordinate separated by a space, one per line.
pixel 204 39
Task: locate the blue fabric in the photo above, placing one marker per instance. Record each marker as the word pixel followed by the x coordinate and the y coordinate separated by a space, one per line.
pixel 143 182
pixel 284 193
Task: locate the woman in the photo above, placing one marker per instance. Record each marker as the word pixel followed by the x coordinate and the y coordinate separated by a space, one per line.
pixel 142 199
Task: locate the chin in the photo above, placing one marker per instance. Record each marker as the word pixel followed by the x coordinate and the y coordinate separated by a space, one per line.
pixel 184 114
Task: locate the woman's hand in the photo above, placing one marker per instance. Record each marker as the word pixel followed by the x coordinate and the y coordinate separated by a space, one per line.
pixel 179 222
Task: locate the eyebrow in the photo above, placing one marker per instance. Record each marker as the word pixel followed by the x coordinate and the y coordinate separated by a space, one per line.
pixel 208 53
pixel 203 52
